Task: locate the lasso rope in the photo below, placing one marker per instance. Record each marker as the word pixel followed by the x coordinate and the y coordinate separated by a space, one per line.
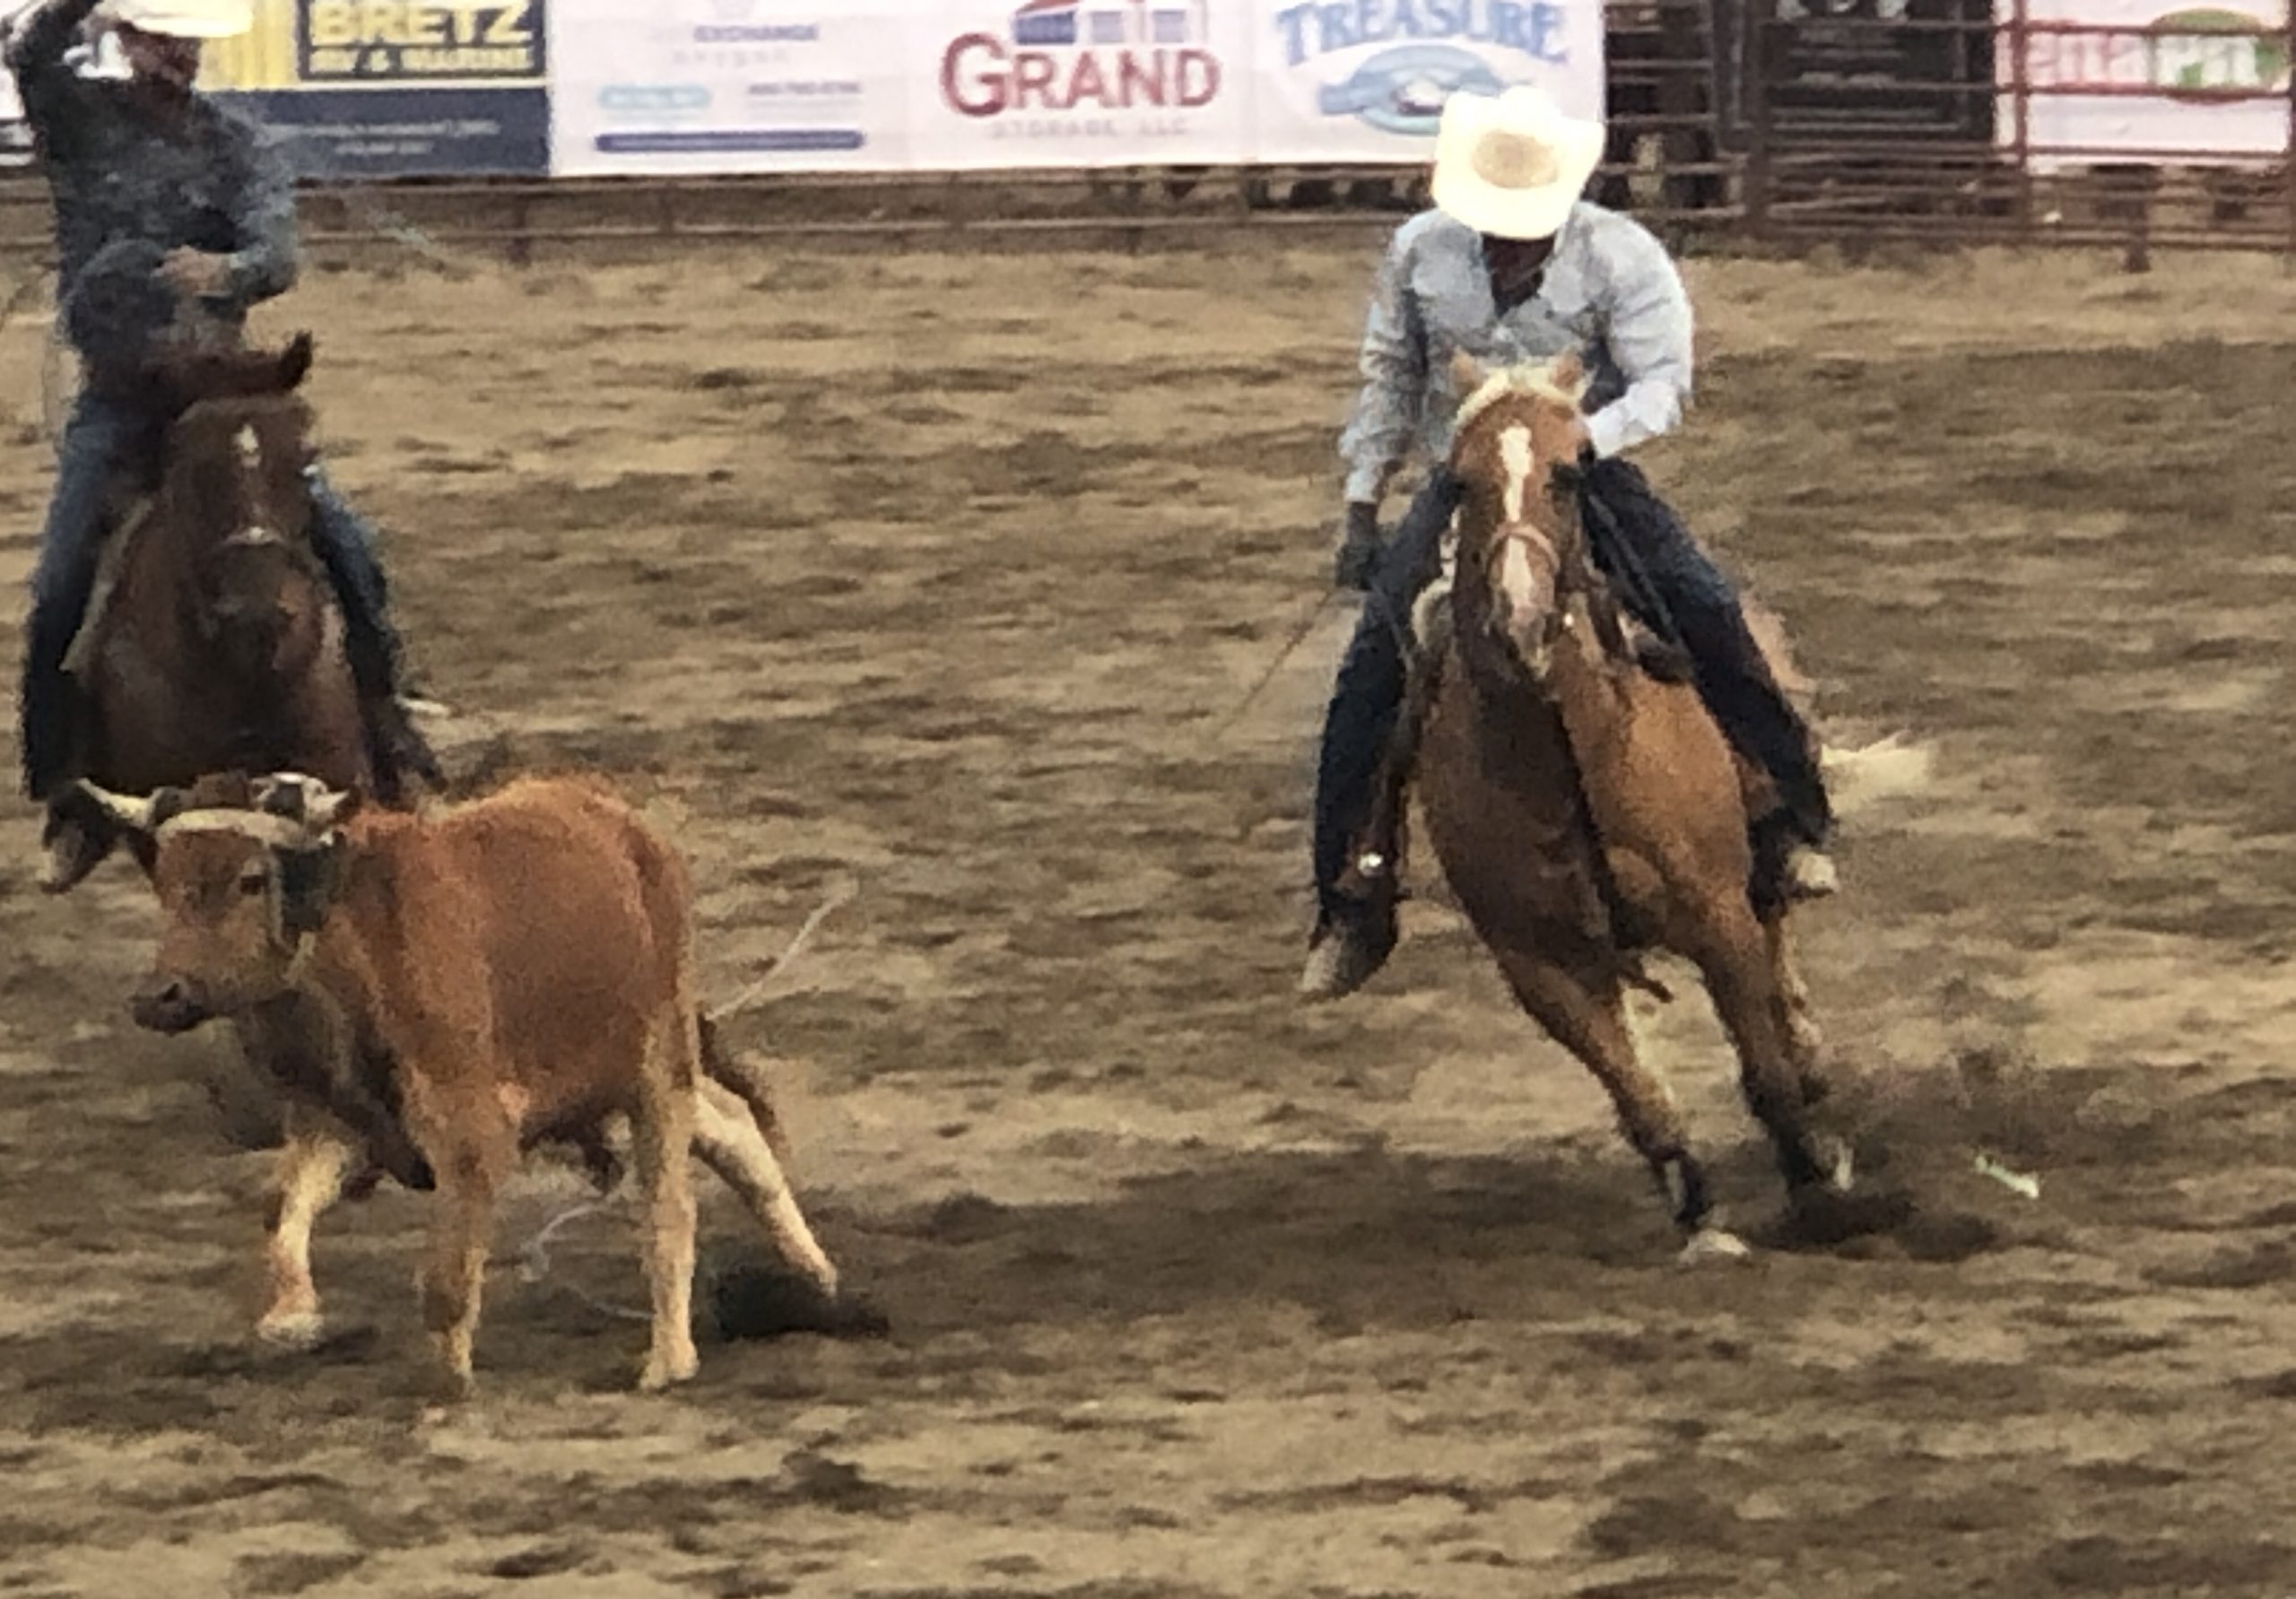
pixel 532 1259
pixel 756 992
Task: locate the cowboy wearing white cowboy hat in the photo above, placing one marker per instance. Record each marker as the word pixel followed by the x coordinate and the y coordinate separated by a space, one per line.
pixel 161 193
pixel 1512 266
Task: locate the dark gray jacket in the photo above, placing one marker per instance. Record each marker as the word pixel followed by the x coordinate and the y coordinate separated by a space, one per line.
pixel 128 171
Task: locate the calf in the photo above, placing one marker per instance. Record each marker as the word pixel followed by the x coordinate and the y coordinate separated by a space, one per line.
pixel 510 970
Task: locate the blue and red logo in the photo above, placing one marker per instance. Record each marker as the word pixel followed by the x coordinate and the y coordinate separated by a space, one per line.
pixel 1089 55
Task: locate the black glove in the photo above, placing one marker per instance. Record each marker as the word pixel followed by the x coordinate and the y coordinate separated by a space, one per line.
pixel 1358 562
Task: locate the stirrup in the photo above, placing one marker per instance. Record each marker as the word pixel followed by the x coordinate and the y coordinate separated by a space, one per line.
pixel 1369 873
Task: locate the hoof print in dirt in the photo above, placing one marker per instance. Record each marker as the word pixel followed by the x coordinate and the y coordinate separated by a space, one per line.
pixel 759 1302
pixel 808 1478
pixel 1821 1218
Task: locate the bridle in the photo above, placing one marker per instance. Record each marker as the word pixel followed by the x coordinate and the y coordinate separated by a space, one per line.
pixel 1544 550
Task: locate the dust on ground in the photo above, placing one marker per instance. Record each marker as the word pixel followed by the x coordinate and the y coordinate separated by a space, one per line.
pixel 937 573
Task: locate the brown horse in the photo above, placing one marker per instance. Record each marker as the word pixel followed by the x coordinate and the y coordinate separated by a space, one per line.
pixel 213 641
pixel 1586 812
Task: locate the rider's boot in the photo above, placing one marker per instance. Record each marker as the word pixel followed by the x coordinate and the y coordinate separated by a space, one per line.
pixel 50 708
pixel 1355 923
pixel 1791 861
pixel 1354 932
pixel 396 746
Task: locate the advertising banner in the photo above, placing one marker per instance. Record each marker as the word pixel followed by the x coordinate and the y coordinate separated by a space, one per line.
pixel 15 138
pixel 731 85
pixel 1365 81
pixel 928 85
pixel 2164 79
pixel 1083 84
pixel 415 88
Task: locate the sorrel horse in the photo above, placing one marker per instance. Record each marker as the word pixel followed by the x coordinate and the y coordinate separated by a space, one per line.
pixel 213 641
pixel 1586 812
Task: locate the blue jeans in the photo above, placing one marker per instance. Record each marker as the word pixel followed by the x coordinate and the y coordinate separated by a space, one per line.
pixel 1369 695
pixel 1659 567
pixel 101 440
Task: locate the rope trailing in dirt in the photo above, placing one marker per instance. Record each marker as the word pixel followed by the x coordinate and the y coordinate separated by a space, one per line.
pixel 755 993
pixel 534 1260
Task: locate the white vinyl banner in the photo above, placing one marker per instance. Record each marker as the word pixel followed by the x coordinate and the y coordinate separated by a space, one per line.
pixel 2170 82
pixel 1082 83
pixel 15 137
pixel 668 86
pixel 1365 80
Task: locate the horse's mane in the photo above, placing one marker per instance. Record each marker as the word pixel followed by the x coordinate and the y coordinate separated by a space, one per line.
pixel 181 382
pixel 1562 380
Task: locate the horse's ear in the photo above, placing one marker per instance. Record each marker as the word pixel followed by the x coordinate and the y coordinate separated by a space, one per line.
pixel 295 363
pixel 1467 373
pixel 1569 374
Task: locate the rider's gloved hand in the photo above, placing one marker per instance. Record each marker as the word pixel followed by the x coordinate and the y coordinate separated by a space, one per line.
pixel 1358 562
pixel 200 274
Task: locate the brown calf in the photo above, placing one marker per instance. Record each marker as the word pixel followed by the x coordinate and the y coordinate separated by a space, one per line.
pixel 511 970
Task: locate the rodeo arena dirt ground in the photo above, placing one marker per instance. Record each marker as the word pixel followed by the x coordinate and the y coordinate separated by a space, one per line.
pixel 936 580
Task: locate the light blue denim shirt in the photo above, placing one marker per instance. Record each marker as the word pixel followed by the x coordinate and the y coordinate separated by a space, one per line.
pixel 1610 293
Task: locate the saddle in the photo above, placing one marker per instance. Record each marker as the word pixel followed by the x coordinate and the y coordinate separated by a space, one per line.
pixel 127 506
pixel 1632 628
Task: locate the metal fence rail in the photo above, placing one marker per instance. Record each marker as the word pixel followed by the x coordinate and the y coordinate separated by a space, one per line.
pixel 1846 176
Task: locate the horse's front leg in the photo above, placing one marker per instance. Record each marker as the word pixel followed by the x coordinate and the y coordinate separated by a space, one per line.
pixel 1588 1016
pixel 1804 1039
pixel 1777 1060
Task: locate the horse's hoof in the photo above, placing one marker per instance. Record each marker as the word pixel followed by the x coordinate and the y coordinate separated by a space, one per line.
pixel 1715 1243
pixel 300 1331
pixel 661 1372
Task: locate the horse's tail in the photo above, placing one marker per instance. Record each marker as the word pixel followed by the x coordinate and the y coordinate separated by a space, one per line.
pixel 1892 768
pixel 1857 777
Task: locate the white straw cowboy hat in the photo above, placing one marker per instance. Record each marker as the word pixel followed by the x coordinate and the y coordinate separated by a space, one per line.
pixel 1512 164
pixel 185 19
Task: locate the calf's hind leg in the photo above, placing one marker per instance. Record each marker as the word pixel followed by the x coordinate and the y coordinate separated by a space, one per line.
pixel 729 1137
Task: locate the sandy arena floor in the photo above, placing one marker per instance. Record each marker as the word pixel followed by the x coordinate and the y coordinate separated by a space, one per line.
pixel 938 573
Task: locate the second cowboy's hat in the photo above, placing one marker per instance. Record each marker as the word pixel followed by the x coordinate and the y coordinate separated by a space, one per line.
pixel 1511 165
pixel 185 19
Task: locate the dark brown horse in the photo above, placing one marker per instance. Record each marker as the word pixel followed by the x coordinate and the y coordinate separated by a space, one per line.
pixel 1586 812
pixel 214 642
